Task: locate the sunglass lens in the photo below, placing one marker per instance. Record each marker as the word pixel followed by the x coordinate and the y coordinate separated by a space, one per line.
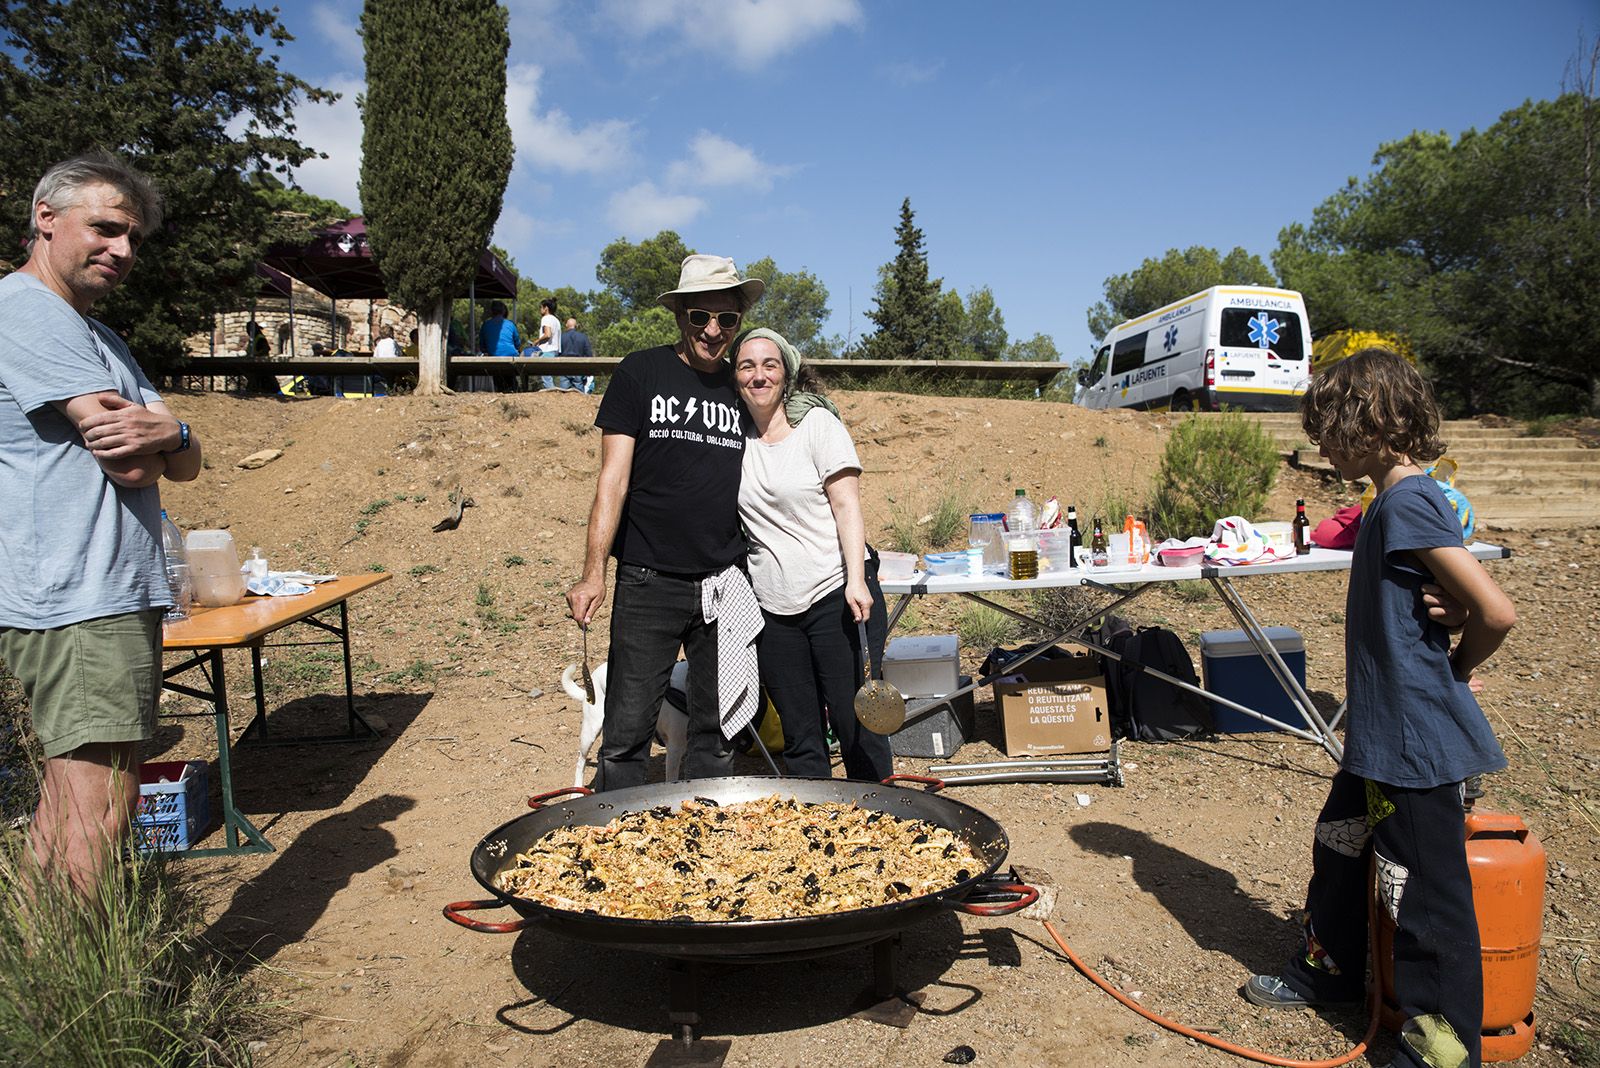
pixel 727 320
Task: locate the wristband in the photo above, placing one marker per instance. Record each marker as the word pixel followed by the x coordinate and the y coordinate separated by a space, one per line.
pixel 183 438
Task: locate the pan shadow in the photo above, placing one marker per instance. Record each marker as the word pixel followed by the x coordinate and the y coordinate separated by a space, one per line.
pixel 570 981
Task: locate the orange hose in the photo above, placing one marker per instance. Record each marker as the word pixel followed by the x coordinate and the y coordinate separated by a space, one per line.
pixel 1211 1040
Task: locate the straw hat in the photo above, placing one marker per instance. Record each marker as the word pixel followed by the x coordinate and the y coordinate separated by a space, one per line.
pixel 711 274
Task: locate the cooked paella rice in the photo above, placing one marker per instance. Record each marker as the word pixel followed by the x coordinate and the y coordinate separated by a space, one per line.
pixel 756 860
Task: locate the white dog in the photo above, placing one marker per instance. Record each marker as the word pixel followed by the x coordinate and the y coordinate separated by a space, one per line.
pixel 672 725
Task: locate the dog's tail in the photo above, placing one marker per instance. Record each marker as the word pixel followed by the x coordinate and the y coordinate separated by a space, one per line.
pixel 569 683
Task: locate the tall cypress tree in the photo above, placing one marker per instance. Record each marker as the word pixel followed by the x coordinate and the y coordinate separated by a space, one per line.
pixel 436 153
pixel 912 322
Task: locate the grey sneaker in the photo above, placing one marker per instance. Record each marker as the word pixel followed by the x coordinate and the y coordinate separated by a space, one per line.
pixel 1274 993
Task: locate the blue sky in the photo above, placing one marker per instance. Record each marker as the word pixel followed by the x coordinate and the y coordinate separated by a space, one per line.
pixel 1044 146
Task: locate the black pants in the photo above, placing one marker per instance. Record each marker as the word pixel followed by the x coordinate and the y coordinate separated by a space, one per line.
pixel 811 668
pixel 1419 841
pixel 652 614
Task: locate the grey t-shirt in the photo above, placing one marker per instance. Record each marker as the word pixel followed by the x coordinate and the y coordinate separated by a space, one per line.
pixel 1411 723
pixel 73 544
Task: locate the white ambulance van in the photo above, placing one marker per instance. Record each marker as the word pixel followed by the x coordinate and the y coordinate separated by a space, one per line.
pixel 1246 347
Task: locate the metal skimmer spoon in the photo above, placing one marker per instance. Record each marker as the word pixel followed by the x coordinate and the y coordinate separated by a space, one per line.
pixel 879 706
pixel 588 679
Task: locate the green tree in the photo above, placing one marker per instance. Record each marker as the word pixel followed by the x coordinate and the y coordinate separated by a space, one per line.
pixel 436 153
pixel 913 321
pixel 653 326
pixel 191 93
pixel 795 304
pixel 286 200
pixel 1483 252
pixel 1174 276
pixel 639 273
pixel 983 335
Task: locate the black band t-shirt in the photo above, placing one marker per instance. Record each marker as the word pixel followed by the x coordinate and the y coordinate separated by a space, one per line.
pixel 681 514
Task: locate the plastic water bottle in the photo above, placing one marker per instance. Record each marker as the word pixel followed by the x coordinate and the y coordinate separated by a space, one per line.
pixel 179 580
pixel 1023 516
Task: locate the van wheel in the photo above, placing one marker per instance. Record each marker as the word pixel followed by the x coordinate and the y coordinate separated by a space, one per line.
pixel 1184 401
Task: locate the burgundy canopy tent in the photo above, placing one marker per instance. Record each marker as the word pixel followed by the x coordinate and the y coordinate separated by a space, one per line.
pixel 337 262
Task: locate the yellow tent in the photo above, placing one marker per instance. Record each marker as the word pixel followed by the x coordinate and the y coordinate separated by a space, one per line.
pixel 1331 348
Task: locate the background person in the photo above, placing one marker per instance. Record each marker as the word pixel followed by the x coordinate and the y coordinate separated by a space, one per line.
pixel 499 336
pixel 1414 733
pixel 83 440
pixel 666 505
pixel 549 340
pixel 387 347
pixel 575 343
pixel 800 500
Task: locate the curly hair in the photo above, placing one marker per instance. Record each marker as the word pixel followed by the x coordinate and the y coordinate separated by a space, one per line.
pixel 1373 402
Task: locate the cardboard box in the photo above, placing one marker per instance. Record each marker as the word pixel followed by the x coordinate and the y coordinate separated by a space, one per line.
pixel 923 665
pixel 1059 706
pixel 939 731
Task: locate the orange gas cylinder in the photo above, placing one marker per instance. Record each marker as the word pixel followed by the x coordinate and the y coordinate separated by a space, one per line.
pixel 1508 868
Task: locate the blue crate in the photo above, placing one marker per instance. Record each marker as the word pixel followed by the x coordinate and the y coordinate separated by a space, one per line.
pixel 1231 667
pixel 174 814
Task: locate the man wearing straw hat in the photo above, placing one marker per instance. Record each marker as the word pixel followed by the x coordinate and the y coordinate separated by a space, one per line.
pixel 667 507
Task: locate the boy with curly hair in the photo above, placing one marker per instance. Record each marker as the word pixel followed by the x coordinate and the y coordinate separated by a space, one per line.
pixel 1415 730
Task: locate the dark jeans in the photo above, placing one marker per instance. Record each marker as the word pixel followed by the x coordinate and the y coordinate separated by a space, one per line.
pixel 1417 835
pixel 811 668
pixel 652 614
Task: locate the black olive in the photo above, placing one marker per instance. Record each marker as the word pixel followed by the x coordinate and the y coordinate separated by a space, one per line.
pixel 858 850
pixel 829 850
pixel 738 903
pixel 693 830
pixel 919 839
pixel 706 801
pixel 568 874
pixel 880 865
pixel 899 887
pixel 681 867
pixel 746 878
pixel 816 845
pixel 875 817
pixel 787 870
pixel 715 902
pixel 808 830
pixel 710 883
pixel 661 811
pixel 963 875
pixel 811 896
pixel 810 879
pixel 772 888
pixel 593 884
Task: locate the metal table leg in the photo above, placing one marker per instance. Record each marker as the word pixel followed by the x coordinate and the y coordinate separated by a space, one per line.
pixel 357 728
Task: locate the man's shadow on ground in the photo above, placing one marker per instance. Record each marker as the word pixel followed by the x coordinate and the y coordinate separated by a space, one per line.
pixel 279 906
pixel 1208 901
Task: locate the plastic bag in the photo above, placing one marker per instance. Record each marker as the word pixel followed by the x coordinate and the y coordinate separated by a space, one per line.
pixel 1443 472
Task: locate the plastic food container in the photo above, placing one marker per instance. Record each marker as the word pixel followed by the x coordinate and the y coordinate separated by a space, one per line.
pixel 893 565
pixel 1278 534
pixel 1182 556
pixel 214 568
pixel 946 563
pixel 1055 553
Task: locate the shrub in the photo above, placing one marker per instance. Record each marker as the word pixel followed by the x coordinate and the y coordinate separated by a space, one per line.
pixel 917 526
pixel 981 627
pixel 1218 466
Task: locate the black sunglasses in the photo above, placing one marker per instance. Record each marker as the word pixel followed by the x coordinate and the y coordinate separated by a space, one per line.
pixel 699 317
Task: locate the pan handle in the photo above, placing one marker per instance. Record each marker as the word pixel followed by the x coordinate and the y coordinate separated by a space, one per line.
pixel 453 911
pixel 538 800
pixel 1027 895
pixel 933 785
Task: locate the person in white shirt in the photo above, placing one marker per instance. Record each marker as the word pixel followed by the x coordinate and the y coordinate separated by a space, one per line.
pixel 387 347
pixel 800 500
pixel 549 340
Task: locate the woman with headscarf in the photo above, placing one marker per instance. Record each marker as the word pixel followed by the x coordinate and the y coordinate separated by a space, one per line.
pixel 800 500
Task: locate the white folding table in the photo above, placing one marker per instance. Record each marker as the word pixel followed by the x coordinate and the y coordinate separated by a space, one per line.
pixel 1124 585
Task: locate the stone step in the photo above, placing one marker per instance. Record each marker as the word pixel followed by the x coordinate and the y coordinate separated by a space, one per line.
pixel 1545 467
pixel 1458 443
pixel 1497 455
pixel 1532 485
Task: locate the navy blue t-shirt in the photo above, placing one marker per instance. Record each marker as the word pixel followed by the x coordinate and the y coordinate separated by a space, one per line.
pixel 1411 723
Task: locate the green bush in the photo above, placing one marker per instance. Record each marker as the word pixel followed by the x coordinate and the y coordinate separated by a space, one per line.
pixel 917 525
pixel 1216 466
pixel 117 980
pixel 981 627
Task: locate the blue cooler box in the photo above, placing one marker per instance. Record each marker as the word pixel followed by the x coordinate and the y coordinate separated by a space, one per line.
pixel 1231 667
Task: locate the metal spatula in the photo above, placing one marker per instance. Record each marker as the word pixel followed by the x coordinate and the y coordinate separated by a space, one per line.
pixel 879 706
pixel 588 679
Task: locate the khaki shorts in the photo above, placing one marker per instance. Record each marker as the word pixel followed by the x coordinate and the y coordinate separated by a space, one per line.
pixel 95 681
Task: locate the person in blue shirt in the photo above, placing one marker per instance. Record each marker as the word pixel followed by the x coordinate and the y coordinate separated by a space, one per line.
pixel 499 335
pixel 1415 730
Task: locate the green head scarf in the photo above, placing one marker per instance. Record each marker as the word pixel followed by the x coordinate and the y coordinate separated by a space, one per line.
pixel 796 403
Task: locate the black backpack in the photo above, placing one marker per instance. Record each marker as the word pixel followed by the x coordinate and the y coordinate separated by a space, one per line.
pixel 1143 706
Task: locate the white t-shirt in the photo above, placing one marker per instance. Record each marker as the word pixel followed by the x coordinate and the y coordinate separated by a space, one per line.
pixel 553 324
pixel 795 555
pixel 386 348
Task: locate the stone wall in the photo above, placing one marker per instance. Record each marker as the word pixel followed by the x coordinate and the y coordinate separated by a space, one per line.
pixel 359 322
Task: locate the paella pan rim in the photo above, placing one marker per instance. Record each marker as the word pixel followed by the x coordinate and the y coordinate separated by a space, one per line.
pixel 991 847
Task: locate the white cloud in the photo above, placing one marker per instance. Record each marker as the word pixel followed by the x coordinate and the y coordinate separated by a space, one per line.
pixel 748 32
pixel 541 30
pixel 336 130
pixel 716 161
pixel 908 74
pixel 642 210
pixel 550 140
pixel 343 34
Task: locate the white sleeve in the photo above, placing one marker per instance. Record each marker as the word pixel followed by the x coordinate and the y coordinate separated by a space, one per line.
pixel 831 448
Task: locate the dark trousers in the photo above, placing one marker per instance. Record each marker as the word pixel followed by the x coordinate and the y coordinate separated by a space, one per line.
pixel 1419 841
pixel 652 615
pixel 811 668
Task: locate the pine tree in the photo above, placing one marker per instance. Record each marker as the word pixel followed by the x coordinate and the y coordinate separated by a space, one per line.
pixel 913 320
pixel 189 92
pixel 436 153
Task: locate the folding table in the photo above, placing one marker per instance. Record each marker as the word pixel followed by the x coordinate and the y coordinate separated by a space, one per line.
pixel 247 625
pixel 1126 584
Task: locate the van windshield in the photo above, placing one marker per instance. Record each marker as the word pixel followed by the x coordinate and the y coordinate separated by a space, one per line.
pixel 1250 328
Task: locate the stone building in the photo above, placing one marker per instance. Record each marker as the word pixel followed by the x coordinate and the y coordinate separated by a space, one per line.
pixel 354 326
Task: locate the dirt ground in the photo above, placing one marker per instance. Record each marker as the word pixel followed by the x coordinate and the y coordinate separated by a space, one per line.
pixel 1177 886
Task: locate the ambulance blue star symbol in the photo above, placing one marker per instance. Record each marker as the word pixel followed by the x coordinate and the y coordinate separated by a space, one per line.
pixel 1264 331
pixel 1170 339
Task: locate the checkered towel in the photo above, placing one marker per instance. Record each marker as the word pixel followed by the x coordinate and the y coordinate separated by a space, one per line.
pixel 727 600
